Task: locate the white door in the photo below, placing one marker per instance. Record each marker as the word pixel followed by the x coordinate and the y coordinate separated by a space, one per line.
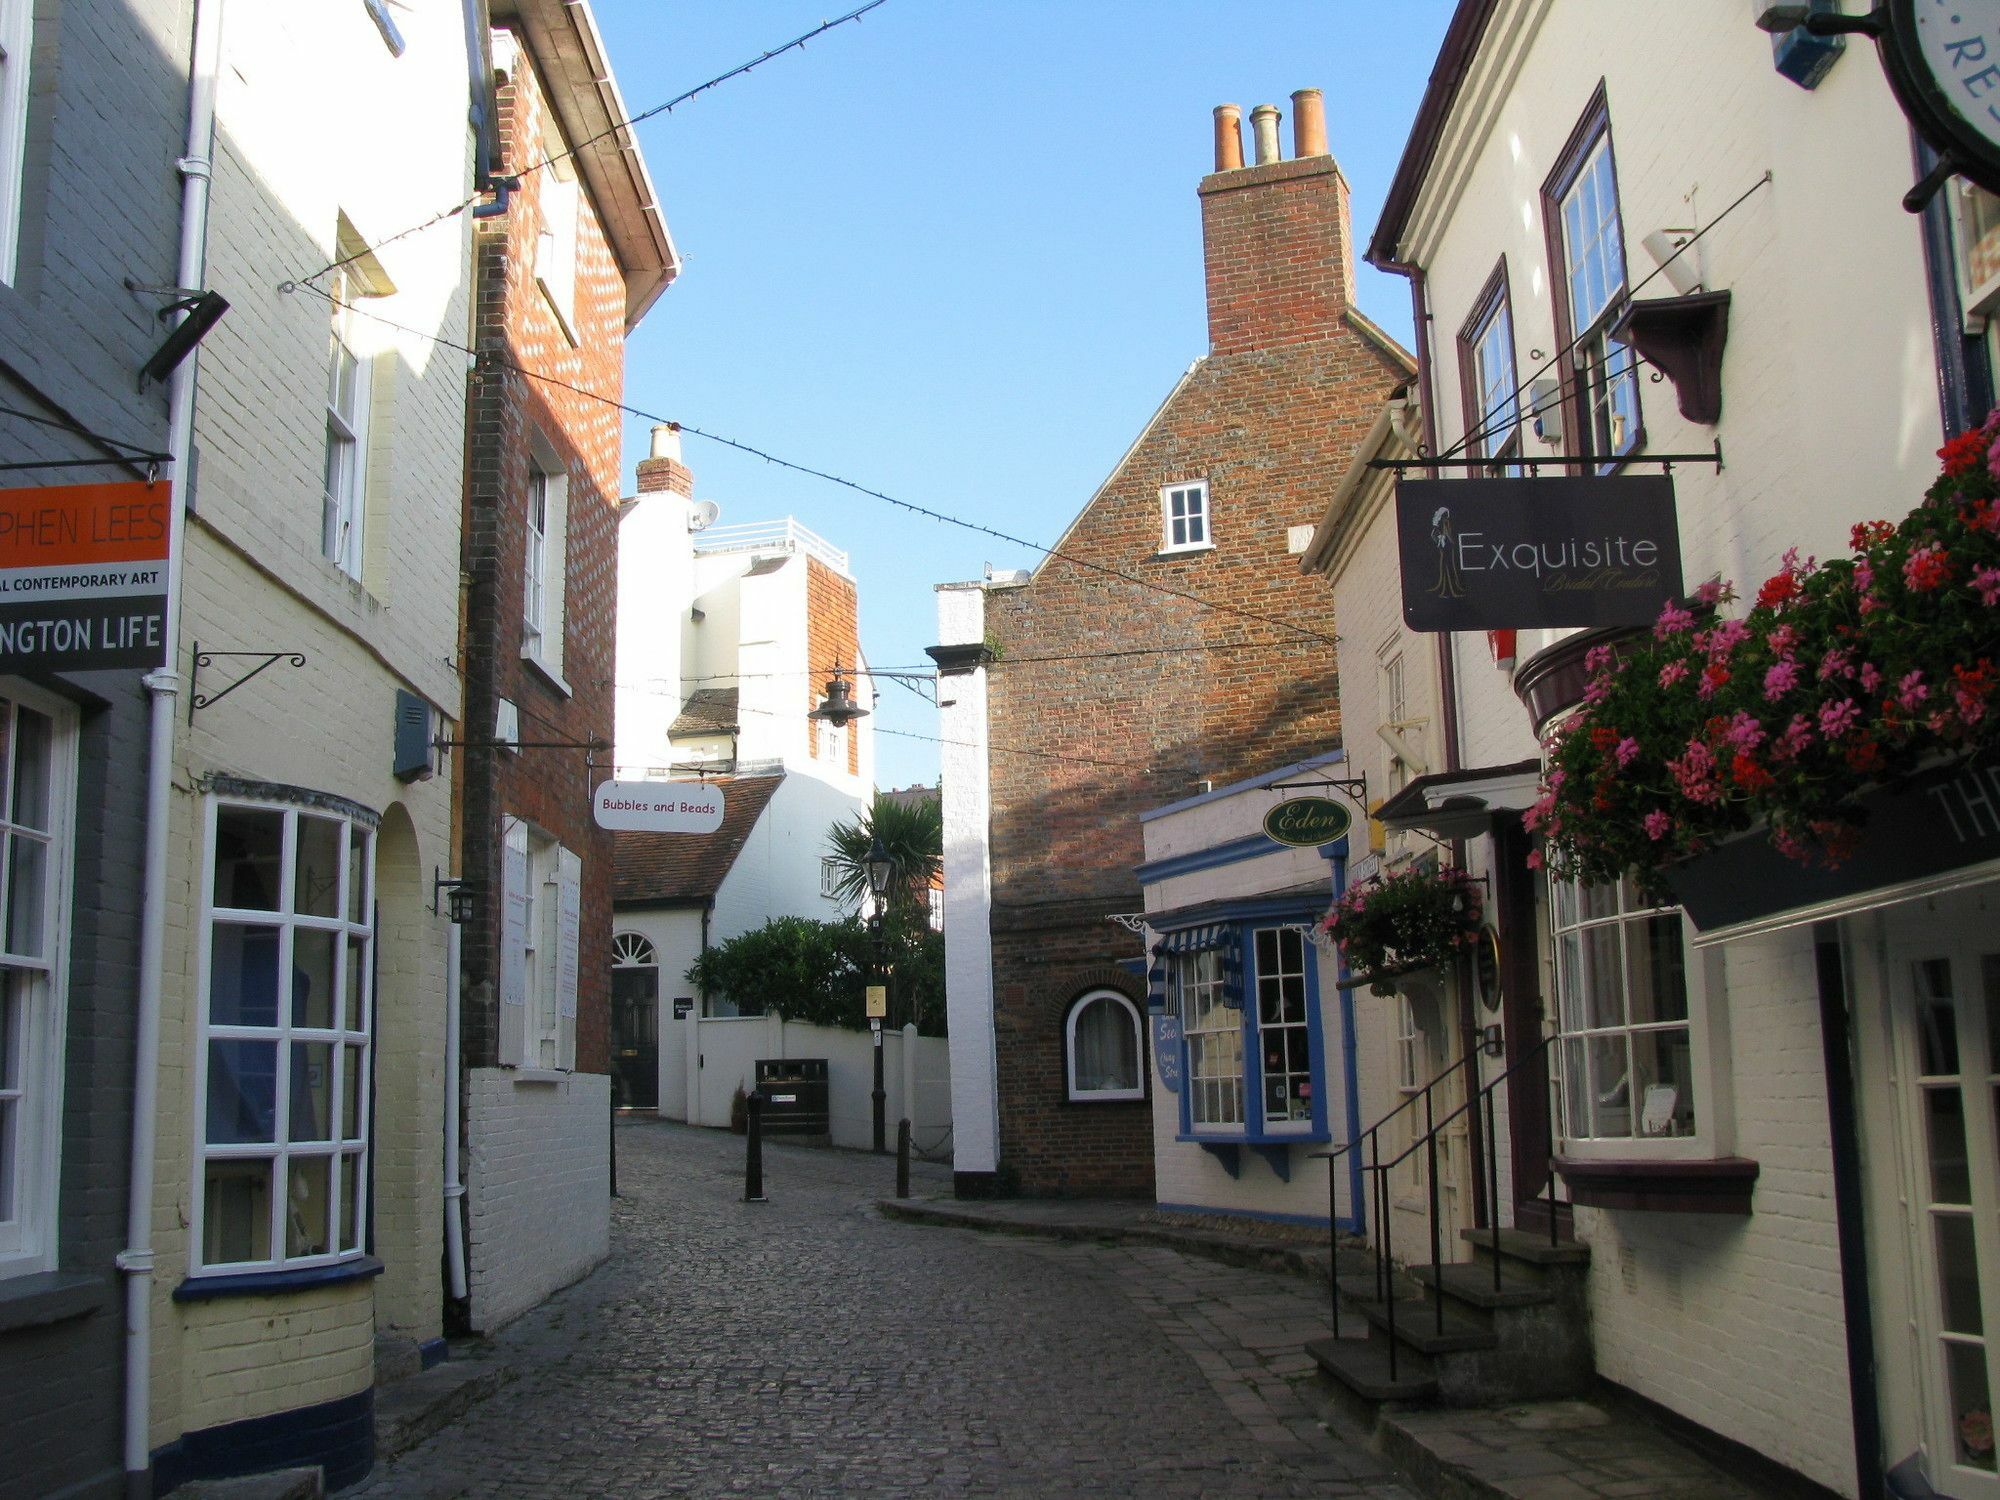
pixel 1946 978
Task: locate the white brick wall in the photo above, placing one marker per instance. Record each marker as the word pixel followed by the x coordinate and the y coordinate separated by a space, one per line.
pixel 538 1203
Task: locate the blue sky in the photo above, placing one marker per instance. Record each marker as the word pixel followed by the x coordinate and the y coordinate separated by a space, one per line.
pixel 953 252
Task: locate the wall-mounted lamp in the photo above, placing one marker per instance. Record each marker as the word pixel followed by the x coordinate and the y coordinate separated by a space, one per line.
pixel 1667 247
pixel 838 708
pixel 1492 1040
pixel 463 902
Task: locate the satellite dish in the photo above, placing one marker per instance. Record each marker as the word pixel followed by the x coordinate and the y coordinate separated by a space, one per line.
pixel 702 515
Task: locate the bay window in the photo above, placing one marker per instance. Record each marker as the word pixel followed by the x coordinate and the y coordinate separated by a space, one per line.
pixel 1253 1062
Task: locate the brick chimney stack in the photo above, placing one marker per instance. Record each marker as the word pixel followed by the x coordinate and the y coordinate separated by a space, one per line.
pixel 1275 234
pixel 663 469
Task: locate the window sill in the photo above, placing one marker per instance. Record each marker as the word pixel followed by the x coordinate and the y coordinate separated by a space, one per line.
pixel 1183 551
pixel 1252 1138
pixel 1714 1185
pixel 539 1077
pixel 548 675
pixel 1108 1096
pixel 276 1283
pixel 45 1297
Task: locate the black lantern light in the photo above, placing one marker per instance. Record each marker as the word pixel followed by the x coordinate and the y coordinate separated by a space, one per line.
pixel 880 867
pixel 838 708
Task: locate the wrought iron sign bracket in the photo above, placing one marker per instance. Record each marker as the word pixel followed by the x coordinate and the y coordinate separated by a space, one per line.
pixel 590 746
pixel 197 700
pixel 1589 460
pixel 1131 921
pixel 1356 787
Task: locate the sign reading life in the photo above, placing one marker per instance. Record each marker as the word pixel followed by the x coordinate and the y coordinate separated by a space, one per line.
pixel 1525 554
pixel 83 576
pixel 658 806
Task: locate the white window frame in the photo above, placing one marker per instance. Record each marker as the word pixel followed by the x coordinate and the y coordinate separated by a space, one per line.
pixel 534 562
pixel 1707 1138
pixel 347 1213
pixel 829 877
pixel 541 886
pixel 1593 249
pixel 344 507
pixel 1197 983
pixel 545 566
pixel 1192 529
pixel 1082 1003
pixel 556 240
pixel 1489 364
pixel 32 1075
pixel 1259 981
pixel 17 32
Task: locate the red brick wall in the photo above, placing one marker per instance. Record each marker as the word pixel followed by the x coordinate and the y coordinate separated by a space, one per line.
pixel 1269 419
pixel 510 416
pixel 833 637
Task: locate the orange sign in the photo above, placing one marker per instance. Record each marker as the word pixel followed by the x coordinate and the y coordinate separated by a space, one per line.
pixel 83 571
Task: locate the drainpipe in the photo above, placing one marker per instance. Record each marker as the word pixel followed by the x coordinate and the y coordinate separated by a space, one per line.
pixel 163 690
pixel 454 1189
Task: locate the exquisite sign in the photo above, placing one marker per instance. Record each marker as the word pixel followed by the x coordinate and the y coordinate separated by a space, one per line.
pixel 659 806
pixel 83 576
pixel 1307 822
pixel 1500 554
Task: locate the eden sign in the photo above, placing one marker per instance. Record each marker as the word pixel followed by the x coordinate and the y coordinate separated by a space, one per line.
pixel 1307 822
pixel 1524 554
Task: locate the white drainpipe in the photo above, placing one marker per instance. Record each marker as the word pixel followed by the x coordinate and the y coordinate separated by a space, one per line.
pixel 454 1190
pixel 163 689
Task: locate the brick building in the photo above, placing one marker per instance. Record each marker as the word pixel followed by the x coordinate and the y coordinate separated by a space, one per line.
pixel 1186 548
pixel 575 257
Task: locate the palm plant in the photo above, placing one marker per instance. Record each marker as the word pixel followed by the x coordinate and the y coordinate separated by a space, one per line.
pixel 911 831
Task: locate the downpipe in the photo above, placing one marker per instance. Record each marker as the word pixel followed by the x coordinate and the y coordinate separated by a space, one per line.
pixel 454 1188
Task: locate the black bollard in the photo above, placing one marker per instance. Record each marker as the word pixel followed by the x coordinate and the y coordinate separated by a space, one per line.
pixel 753 1170
pixel 902 1158
pixel 614 1142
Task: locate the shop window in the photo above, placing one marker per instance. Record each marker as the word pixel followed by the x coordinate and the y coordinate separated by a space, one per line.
pixel 37 798
pixel 1252 1065
pixel 1627 1060
pixel 1587 248
pixel 287 966
pixel 1103 1045
pixel 1184 517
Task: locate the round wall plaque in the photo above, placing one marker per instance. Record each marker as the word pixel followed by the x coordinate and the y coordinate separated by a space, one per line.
pixel 1307 822
pixel 1486 967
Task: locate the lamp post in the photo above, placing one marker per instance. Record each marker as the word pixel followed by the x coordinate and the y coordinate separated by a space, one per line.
pixel 879 867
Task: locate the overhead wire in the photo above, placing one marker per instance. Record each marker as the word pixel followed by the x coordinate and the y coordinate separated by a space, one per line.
pixel 137 452
pixel 489 360
pixel 555 156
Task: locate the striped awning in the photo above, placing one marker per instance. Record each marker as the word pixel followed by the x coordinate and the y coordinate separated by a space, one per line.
pixel 1201 939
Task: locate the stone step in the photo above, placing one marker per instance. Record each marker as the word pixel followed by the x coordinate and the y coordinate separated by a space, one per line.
pixel 1471 1282
pixel 1417 1318
pixel 1533 1249
pixel 1361 1366
pixel 411 1410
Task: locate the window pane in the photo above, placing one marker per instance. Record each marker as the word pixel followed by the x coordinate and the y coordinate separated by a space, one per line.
pixel 1610 1087
pixel 1944 1120
pixel 1656 969
pixel 242 1092
pixel 1971 1404
pixel 306 1204
pixel 249 844
pixel 357 875
pixel 1958 1274
pixel 350 1202
pixel 1594 989
pixel 352 1015
pixel 243 976
pixel 1107 1050
pixel 34 740
pixel 1663 1075
pixel 13 1027
pixel 1989 973
pixel 10 1125
pixel 312 1091
pixel 27 881
pixel 314 970
pixel 236 1212
pixel 1267 950
pixel 1937 1032
pixel 352 1105
pixel 316 886
pixel 1595 902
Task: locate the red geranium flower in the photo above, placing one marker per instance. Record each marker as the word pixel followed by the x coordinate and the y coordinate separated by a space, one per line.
pixel 1964 453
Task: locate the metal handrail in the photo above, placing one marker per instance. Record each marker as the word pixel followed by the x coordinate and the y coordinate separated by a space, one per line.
pixel 1408 1100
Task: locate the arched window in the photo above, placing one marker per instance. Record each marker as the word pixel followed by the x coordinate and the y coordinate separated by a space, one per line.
pixel 630 951
pixel 1102 1045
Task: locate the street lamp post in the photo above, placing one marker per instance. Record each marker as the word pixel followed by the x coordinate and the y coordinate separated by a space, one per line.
pixel 879 867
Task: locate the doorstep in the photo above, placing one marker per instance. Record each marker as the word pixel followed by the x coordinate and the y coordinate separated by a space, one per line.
pixel 418 1406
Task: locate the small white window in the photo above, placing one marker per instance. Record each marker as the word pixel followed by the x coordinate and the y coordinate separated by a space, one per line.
pixel 1102 1043
pixel 534 563
pixel 541 891
pixel 1184 517
pixel 282 1074
pixel 16 32
pixel 349 376
pixel 829 878
pixel 555 245
pixel 37 795
pixel 544 563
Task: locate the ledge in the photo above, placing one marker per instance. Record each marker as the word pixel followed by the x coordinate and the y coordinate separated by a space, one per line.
pixel 540 671
pixel 274 1283
pixel 545 1077
pixel 1717 1185
pixel 49 1297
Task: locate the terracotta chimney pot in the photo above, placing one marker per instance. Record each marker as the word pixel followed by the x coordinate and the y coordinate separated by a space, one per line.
pixel 1264 127
pixel 1308 124
pixel 1228 137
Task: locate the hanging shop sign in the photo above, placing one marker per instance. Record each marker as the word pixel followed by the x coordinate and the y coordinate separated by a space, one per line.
pixel 1167 1051
pixel 83 576
pixel 1920 836
pixel 1519 554
pixel 1943 62
pixel 1307 822
pixel 659 806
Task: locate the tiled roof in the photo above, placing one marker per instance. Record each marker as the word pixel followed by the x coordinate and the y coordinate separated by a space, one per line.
pixel 910 796
pixel 707 711
pixel 660 867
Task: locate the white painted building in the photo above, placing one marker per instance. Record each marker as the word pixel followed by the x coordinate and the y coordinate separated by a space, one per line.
pixel 1762 1260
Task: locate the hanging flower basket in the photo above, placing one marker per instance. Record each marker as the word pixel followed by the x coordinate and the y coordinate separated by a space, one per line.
pixel 1839 678
pixel 1403 923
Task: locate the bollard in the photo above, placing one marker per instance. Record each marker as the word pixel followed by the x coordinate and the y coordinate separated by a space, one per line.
pixel 902 1158
pixel 753 1170
pixel 614 1142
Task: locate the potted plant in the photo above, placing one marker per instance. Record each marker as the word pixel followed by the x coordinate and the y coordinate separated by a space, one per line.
pixel 1397 924
pixel 1840 677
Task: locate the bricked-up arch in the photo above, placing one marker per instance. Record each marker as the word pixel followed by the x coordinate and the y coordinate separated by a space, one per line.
pixel 1293 378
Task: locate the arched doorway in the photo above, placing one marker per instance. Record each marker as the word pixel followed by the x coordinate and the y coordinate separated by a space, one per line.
pixel 635 1023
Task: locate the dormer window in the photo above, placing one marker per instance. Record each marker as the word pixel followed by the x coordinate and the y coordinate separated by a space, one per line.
pixel 1184 517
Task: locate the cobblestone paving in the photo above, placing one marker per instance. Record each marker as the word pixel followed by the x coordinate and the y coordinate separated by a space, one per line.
pixel 807 1346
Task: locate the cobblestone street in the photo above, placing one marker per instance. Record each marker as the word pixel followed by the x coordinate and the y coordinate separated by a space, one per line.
pixel 808 1346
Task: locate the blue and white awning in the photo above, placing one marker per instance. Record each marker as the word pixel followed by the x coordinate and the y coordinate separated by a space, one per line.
pixel 1218 936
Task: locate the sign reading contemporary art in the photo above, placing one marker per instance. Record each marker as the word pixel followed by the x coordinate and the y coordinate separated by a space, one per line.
pixel 1307 822
pixel 659 806
pixel 1521 554
pixel 83 576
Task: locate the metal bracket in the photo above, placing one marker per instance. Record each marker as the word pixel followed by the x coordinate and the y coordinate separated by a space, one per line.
pixel 1589 460
pixel 1131 921
pixel 197 700
pixel 1356 787
pixel 593 746
pixel 1312 933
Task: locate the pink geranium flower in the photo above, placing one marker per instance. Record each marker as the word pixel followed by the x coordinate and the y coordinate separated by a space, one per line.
pixel 1780 679
pixel 1986 583
pixel 1911 691
pixel 1835 719
pixel 1672 673
pixel 1626 752
pixel 1656 824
